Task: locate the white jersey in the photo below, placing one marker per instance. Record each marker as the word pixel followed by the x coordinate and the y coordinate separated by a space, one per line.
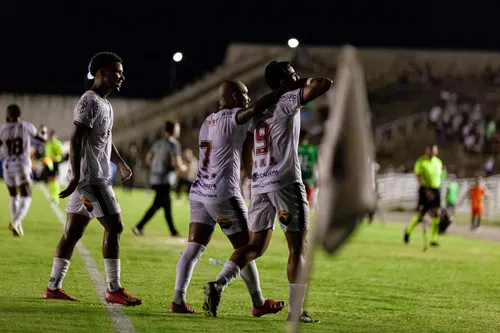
pixel 221 142
pixel 276 140
pixel 96 114
pixel 16 144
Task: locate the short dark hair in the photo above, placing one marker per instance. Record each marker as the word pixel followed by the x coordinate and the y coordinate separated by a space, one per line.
pixel 303 134
pixel 14 110
pixel 103 60
pixel 169 127
pixel 52 132
pixel 275 72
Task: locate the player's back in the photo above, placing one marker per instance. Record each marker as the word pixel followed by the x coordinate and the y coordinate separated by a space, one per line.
pixel 276 139
pixel 476 195
pixel 220 145
pixel 16 142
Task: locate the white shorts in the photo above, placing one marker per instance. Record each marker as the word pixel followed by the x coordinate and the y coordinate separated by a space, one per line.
pixel 290 203
pixel 93 201
pixel 231 214
pixel 17 178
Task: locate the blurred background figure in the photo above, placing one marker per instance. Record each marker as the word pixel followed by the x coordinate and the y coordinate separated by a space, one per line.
pixel 130 158
pixel 186 178
pixel 53 157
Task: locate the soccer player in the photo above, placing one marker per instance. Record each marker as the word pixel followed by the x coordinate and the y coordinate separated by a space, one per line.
pixel 165 159
pixel 277 186
pixel 428 169
pixel 477 194
pixel 452 194
pixel 89 190
pixel 308 157
pixel 215 196
pixel 53 156
pixel 15 137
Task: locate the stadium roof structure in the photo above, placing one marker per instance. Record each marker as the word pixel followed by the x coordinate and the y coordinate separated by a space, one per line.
pixel 246 62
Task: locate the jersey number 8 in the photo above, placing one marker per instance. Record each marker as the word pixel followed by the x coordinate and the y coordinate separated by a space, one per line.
pixel 14 147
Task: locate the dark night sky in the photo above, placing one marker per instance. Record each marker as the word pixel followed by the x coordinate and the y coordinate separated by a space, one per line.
pixel 46 45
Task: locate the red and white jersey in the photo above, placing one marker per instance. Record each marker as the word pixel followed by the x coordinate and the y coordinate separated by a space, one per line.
pixel 221 142
pixel 96 114
pixel 276 140
pixel 16 144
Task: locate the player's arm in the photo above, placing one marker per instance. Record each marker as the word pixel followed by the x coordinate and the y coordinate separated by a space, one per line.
pixel 177 161
pixel 247 155
pixel 314 88
pixel 80 133
pixel 257 108
pixel 116 158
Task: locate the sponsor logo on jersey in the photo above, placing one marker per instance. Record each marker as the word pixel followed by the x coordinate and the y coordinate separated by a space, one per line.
pixel 199 183
pixel 87 204
pixel 224 223
pixel 284 217
pixel 256 175
pixel 210 122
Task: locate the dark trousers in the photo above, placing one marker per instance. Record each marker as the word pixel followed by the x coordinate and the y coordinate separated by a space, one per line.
pixel 162 200
pixel 181 182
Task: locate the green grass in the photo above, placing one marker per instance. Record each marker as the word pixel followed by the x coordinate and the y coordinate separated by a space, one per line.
pixel 376 285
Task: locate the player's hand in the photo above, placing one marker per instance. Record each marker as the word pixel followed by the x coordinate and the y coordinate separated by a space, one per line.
pixel 430 195
pixel 125 171
pixel 70 189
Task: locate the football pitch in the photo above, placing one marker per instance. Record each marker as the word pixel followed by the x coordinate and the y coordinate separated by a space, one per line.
pixel 376 284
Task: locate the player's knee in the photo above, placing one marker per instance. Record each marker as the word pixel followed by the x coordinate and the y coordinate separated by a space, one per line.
pixel 113 224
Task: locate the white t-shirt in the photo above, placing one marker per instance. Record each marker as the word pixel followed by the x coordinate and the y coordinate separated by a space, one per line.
pixel 16 144
pixel 276 140
pixel 96 114
pixel 221 142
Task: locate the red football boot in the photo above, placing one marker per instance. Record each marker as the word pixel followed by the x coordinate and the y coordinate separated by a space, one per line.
pixel 121 297
pixel 57 294
pixel 269 307
pixel 181 308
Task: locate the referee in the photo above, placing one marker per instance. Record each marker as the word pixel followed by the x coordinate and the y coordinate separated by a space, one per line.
pixel 165 159
pixel 428 169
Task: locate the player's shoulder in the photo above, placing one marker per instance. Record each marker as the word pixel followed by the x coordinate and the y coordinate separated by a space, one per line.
pixel 291 96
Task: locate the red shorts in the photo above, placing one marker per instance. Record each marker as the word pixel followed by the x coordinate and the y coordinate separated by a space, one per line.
pixel 309 192
pixel 477 210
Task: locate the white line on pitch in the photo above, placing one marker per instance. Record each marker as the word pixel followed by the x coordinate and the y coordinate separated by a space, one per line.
pixel 121 323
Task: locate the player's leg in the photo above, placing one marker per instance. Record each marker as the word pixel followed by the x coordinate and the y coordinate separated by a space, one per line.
pixel 102 202
pixel 53 182
pixel 24 204
pixel 434 205
pixel 293 216
pixel 261 224
pixel 418 218
pixel 235 227
pixel 157 204
pixel 201 228
pixel 76 223
pixel 14 204
pixel 166 204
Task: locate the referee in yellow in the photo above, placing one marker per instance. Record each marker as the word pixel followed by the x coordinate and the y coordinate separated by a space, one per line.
pixel 53 156
pixel 428 169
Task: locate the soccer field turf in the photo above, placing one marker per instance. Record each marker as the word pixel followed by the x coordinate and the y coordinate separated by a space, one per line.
pixel 376 284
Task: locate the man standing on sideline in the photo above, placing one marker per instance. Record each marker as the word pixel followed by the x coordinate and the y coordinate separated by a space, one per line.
pixel 186 179
pixel 428 169
pixel 165 159
pixel 53 156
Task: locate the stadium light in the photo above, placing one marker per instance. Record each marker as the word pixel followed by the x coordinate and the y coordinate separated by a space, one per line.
pixel 177 57
pixel 293 43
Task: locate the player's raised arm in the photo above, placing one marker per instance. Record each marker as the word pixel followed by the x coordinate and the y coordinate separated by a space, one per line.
pixel 315 88
pixel 247 155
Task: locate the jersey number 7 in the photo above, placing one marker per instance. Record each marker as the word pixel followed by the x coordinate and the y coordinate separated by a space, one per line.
pixel 206 145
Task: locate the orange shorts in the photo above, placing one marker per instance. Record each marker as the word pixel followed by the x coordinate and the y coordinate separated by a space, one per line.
pixel 477 210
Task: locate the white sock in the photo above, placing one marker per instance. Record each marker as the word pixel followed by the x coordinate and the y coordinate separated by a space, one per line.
pixel 112 269
pixel 14 207
pixel 24 206
pixel 60 267
pixel 192 253
pixel 297 293
pixel 250 276
pixel 229 272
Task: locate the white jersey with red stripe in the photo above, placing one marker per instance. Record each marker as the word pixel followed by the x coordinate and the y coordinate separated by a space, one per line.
pixel 221 142
pixel 16 144
pixel 96 114
pixel 276 140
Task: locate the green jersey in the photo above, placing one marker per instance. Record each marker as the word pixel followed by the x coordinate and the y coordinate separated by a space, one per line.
pixel 54 150
pixel 452 194
pixel 431 169
pixel 308 157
